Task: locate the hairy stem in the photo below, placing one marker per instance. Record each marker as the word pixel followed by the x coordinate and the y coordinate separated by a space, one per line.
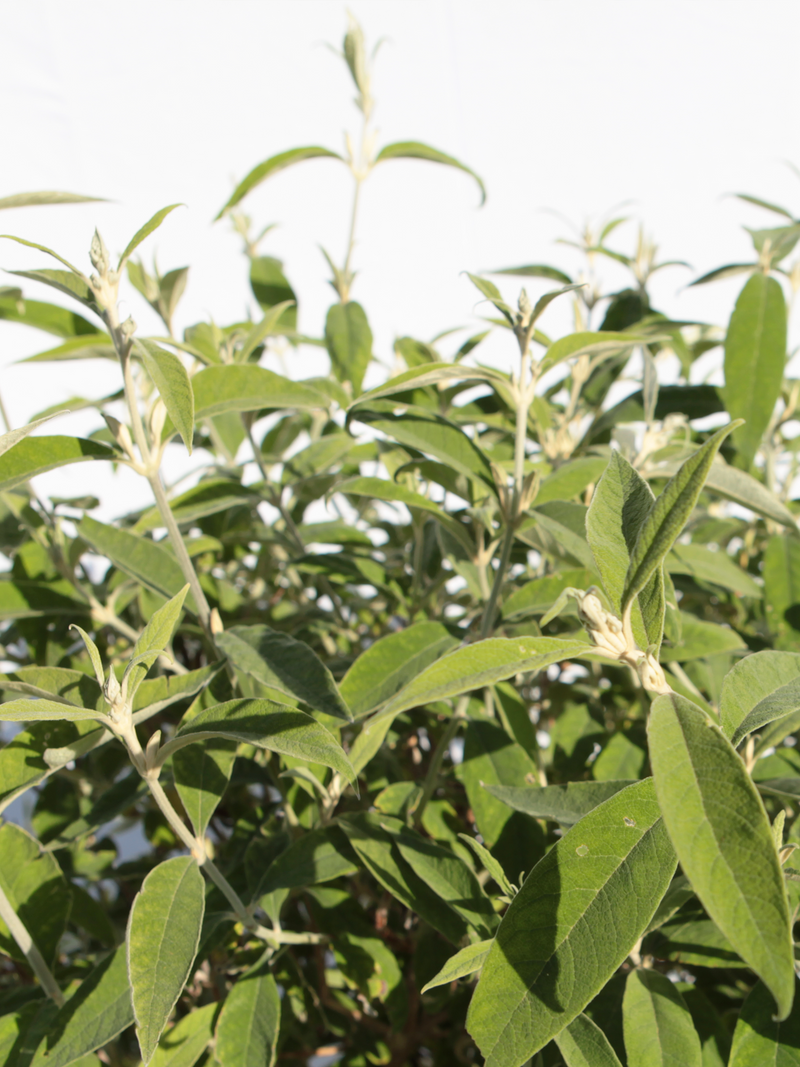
pixel 19 932
pixel 186 565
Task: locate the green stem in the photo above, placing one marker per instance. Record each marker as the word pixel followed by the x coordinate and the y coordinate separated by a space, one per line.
pixel 184 560
pixel 19 932
pixel 435 766
pixel 489 612
pixel 351 240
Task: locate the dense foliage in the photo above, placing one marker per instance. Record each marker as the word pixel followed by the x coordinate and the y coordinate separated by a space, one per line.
pixel 465 730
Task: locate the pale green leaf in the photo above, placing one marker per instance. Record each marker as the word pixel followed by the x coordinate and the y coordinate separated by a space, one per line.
pixel 719 828
pixel 540 594
pixel 94 655
pixel 35 455
pixel 163 935
pixel 603 343
pixel 8 440
pixel 247 1031
pixel 716 567
pixel 37 199
pixel 571 478
pixel 759 689
pixel 583 1044
pixel 65 282
pixel 565 804
pixel 535 270
pixel 658 1027
pixel 145 231
pixel 45 711
pixel 568 930
pixel 700 639
pixel 281 662
pixel 348 338
pixel 152 641
pixel 416 150
pixel 492 293
pixel 174 386
pixel 237 387
pixel 760 1040
pixel 430 374
pixel 51 318
pixel 467 961
pixel 262 330
pixel 755 351
pixel 490 864
pixel 668 515
pixel 272 166
pixel 184 1043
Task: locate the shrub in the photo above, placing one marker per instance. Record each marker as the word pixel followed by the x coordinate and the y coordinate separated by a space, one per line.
pixel 467 729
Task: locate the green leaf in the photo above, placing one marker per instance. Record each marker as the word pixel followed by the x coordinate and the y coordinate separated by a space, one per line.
pixel 272 166
pixel 755 351
pixel 270 287
pixel 201 779
pixel 378 850
pixel 668 515
pixel 35 455
pixel 658 1027
pixel 262 330
pixel 700 639
pixel 187 1040
pixel 565 804
pixel 567 930
pixel 759 689
pixel 348 338
pixel 152 641
pixel 728 271
pixel 209 497
pixel 163 935
pixel 45 711
pixel 8 440
pixel 174 386
pixel 467 961
pixel 583 1044
pixel 281 662
pixel 760 1039
pixel 145 231
pixel 415 150
pixel 493 294
pixel 558 528
pixel 490 864
pixel 571 478
pixel 22 762
pixel 620 505
pixel 603 343
pixel 247 1031
pixel 65 282
pixel 266 725
pixel 538 596
pixel 36 889
pixel 145 561
pixel 535 270
pixel 429 374
pixel 717 823
pixel 236 387
pixel 95 1014
pixel 480 664
pixel 48 317
pixel 717 567
pixel 37 199
pixel 318 856
pixel 781 570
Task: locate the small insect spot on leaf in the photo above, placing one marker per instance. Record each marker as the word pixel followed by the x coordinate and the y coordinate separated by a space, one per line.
pixel 582 850
pixel 628 822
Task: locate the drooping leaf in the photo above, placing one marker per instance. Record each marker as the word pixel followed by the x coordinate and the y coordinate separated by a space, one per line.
pixel 95 1014
pixel 247 1031
pixel 272 166
pixel 757 690
pixel 728 271
pixel 35 455
pixel 566 931
pixel 429 374
pixel 535 270
pixel 467 961
pixel 65 282
pixel 145 231
pixel 270 287
pixel 416 150
pixel 668 515
pixel 759 1038
pixel 565 804
pixel 658 1026
pixel 348 338
pixel 174 386
pixel 719 828
pixel 283 663
pixel 163 935
pixel 37 199
pixel 45 711
pixel 59 321
pixel 201 779
pixel 266 725
pixel 583 1044
pixel 36 889
pixel 237 387
pixel 755 351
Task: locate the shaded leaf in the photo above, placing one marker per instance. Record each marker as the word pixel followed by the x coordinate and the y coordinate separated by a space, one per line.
pixel 318 856
pixel 247 1031
pixel 467 961
pixel 583 1044
pixel 565 804
pixel 187 1040
pixel 759 1038
pixel 757 690
pixel 658 1027
pixel 36 889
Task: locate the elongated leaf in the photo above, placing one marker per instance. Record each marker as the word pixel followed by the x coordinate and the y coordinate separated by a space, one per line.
pixel 429 374
pixel 717 823
pixel 583 1044
pixel 249 388
pixel 707 566
pixel 144 232
pixel 348 338
pixel 757 690
pixel 208 498
pixel 480 664
pixel 566 931
pixel 153 640
pixel 143 560
pixel 755 351
pixel 187 1040
pixel 535 270
pixel 65 282
pixel 538 596
pixel 668 515
pixel 48 317
pixel 8 440
pixel 619 508
pixel 565 804
pixel 174 386
pixel 36 889
pixel 658 1027
pixel 99 1011
pixel 467 961
pixel 605 342
pixel 759 1039
pixel 318 856
pixel 37 199
pixel 28 600
pixel 492 293
pixel 272 166
pixel 558 528
pixel 571 478
pixel 45 711
pixel 201 779
pixel 700 639
pixel 416 150
pixel 286 664
pixel 781 569
pixel 247 1031
pixel 163 935
pixel 377 849
pixel 728 271
pixel 266 725
pixel 35 455
pixel 391 662
pixel 262 330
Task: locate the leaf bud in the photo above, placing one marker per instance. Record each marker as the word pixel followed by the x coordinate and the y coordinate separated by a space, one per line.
pixel 128 328
pixel 98 254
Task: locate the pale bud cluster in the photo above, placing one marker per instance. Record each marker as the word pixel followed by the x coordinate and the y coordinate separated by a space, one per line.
pixel 105 284
pixel 605 629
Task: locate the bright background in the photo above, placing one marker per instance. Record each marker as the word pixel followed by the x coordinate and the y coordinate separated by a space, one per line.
pixel 560 107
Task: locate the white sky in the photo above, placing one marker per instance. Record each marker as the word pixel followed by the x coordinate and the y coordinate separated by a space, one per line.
pixel 572 107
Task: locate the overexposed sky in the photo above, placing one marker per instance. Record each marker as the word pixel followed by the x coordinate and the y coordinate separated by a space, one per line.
pixel 560 107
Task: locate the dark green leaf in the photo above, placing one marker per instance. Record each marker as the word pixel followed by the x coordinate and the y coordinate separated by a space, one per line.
pixel 36 889
pixel 658 1026
pixel 565 804
pixel 270 287
pixel 318 856
pixel 348 338
pixel 48 317
pixel 35 455
pixel 467 961
pixel 247 1031
pixel 583 1044
pixel 759 1039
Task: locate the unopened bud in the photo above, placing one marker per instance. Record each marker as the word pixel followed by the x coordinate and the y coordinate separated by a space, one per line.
pixel 128 328
pixel 98 254
pixel 524 304
pixel 215 622
pixel 652 676
pixel 111 690
pixel 158 417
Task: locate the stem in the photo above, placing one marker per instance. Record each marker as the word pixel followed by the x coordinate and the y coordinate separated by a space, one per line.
pixel 435 766
pixel 489 612
pixel 186 565
pixel 19 932
pixel 353 218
